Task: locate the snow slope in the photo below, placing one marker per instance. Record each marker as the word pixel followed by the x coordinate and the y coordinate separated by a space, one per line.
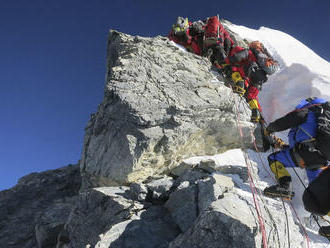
pixel 303 74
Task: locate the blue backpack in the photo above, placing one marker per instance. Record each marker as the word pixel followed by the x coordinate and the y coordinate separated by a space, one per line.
pixel 321 109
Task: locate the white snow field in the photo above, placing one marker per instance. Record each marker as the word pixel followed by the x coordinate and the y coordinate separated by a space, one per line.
pixel 303 74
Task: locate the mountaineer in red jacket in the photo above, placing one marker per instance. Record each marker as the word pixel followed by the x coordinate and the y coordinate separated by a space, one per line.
pixel 208 38
pixel 188 34
pixel 248 70
pixel 217 41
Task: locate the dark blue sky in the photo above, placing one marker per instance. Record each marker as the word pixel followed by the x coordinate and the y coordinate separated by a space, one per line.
pixel 52 63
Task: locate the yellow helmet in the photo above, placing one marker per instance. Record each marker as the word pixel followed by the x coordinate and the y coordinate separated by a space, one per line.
pixel 181 25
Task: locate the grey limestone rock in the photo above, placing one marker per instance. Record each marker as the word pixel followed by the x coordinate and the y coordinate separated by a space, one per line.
pixel 161 105
pixel 227 217
pixel 96 211
pixel 112 217
pixel 34 211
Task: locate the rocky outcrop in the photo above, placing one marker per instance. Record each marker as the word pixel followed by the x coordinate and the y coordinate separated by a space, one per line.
pixel 33 213
pixel 161 105
pixel 197 209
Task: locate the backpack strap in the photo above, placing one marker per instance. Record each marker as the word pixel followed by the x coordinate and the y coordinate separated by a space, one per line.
pixel 308 134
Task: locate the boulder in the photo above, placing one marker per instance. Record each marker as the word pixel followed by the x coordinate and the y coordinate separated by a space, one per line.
pixel 161 105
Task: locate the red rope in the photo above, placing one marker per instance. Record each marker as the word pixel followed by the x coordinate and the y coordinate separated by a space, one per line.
pixel 301 225
pixel 291 205
pixel 252 185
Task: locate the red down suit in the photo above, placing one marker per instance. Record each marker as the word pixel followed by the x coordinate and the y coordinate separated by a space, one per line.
pixel 191 38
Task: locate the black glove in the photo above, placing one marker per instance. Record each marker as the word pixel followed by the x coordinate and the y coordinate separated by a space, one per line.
pixel 256 116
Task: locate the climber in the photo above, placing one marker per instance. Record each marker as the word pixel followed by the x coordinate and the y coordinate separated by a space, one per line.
pixel 316 198
pixel 188 34
pixel 217 41
pixel 304 149
pixel 208 38
pixel 248 70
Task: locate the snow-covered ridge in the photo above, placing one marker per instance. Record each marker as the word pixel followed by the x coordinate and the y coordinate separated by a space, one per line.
pixel 162 108
pixel 303 73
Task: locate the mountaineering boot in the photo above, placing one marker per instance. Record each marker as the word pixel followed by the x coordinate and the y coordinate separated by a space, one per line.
pixel 277 191
pixel 324 231
pixel 281 190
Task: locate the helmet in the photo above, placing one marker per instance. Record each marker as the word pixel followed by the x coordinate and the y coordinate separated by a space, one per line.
pixel 257 45
pixel 181 25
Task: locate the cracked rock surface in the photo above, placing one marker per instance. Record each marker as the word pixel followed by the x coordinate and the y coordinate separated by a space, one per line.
pixel 161 105
pixel 133 186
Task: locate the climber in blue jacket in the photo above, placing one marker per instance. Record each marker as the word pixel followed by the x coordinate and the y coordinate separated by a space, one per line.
pixel 300 152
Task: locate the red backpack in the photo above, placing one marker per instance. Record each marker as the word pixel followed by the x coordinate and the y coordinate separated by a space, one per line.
pixel 215 33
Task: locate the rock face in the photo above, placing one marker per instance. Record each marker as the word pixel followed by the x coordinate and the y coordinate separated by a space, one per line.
pixel 197 209
pixel 161 105
pixel 33 213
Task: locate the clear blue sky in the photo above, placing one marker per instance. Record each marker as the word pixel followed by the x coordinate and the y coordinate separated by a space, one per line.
pixel 52 63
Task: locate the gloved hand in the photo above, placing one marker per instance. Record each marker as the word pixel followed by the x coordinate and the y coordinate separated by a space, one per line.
pixel 256 116
pixel 266 132
pixel 278 143
pixel 239 88
pixel 226 70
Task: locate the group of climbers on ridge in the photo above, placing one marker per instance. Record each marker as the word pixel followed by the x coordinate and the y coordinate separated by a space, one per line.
pixel 247 69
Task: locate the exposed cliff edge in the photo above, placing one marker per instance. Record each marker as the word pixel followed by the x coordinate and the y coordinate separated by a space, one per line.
pixel 161 106
pixel 36 209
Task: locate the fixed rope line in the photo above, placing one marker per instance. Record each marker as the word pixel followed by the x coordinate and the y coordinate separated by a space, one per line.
pixel 265 205
pixel 300 223
pixel 252 186
pixel 294 210
pixel 285 211
pixel 274 180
